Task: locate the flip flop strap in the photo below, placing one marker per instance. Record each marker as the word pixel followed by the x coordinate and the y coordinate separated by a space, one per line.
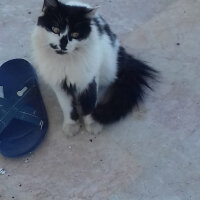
pixel 9 109
pixel 24 114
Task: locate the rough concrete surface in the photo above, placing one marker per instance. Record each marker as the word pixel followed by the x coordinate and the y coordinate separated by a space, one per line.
pixel 152 155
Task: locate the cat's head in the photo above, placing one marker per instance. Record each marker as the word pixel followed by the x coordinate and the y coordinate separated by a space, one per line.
pixel 66 26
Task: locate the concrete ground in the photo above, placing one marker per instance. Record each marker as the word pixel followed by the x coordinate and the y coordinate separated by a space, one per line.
pixel 152 155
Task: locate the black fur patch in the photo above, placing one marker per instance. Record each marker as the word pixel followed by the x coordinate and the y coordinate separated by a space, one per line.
pixel 105 29
pixel 71 90
pixel 74 114
pixel 63 42
pixel 111 35
pixel 88 98
pixel 127 90
pixel 60 52
pixel 53 46
pixel 98 25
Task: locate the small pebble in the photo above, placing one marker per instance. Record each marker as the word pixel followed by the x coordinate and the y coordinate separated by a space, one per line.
pixel 178 44
pixel 26 161
pixel 70 147
pixel 91 140
pixel 29 12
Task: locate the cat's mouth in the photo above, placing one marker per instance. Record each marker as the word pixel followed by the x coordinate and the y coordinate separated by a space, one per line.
pixel 61 52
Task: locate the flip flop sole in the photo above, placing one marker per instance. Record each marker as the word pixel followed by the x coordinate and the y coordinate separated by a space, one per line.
pixel 21 137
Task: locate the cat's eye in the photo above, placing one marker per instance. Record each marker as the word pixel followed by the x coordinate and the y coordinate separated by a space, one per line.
pixel 75 35
pixel 56 30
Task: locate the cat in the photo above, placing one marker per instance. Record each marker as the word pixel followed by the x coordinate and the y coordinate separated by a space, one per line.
pixel 95 80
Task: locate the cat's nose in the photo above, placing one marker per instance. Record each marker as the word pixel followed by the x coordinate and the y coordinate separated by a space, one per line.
pixel 63 43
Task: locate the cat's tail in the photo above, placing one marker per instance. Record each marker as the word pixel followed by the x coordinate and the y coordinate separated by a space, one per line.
pixel 127 91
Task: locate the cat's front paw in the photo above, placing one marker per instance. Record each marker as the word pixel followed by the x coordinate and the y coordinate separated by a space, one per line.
pixel 71 130
pixel 94 128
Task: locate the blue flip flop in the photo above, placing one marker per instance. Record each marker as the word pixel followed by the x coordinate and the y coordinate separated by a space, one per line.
pixel 23 118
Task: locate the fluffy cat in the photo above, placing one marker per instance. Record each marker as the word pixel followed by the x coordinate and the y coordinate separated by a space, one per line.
pixel 96 81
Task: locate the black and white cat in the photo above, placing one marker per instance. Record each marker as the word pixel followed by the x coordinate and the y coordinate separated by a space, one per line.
pixel 77 54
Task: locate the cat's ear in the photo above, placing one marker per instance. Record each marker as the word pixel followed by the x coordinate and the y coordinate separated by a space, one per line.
pixel 49 3
pixel 91 12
